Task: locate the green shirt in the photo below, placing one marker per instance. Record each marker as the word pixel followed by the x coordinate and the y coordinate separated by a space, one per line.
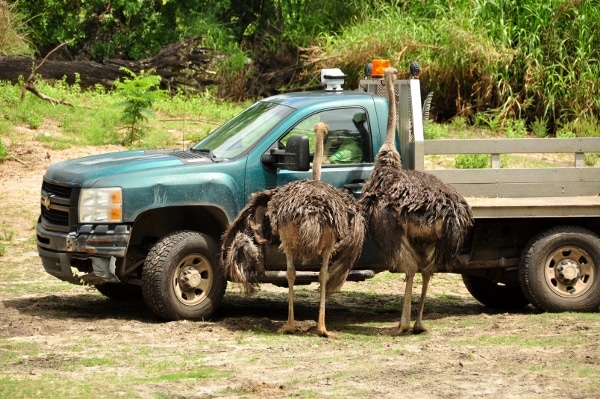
pixel 349 152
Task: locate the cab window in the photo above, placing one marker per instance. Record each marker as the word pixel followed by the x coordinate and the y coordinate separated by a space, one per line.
pixel 348 140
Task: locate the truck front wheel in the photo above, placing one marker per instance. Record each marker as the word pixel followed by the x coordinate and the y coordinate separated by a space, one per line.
pixel 181 278
pixel 560 270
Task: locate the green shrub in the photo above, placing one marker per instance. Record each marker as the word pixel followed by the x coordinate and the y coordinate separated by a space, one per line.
pixel 459 122
pixel 140 92
pixel 590 159
pixel 515 128
pixel 472 161
pixel 433 131
pixel 565 133
pixel 539 128
pixel 489 120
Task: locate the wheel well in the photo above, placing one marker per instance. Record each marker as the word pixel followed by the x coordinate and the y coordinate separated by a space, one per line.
pixel 151 225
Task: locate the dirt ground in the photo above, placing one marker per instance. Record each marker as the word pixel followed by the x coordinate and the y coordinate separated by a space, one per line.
pixel 469 351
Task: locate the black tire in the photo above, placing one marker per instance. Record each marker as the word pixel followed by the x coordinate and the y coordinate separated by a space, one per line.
pixel 495 295
pixel 120 292
pixel 181 278
pixel 560 270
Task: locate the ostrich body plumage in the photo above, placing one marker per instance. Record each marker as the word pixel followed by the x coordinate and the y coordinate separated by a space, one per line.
pixel 308 219
pixel 418 222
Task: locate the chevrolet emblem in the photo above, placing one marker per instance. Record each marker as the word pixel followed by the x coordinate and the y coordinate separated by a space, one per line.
pixel 46 201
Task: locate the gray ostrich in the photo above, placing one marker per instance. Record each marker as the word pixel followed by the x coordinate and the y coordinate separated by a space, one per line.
pixel 417 221
pixel 308 219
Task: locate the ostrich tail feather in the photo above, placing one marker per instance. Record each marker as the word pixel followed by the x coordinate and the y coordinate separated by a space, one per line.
pixel 242 258
pixel 456 229
pixel 346 253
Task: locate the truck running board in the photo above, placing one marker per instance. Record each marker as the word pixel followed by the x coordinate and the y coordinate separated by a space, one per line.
pixel 304 277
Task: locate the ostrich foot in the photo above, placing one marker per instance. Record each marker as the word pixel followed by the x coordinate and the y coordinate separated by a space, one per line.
pixel 326 334
pixel 288 328
pixel 401 330
pixel 418 329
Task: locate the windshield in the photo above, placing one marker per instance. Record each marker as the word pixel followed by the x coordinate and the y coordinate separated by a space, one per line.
pixel 243 131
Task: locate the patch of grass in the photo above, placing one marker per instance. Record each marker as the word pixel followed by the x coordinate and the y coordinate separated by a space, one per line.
pixel 50 387
pixel 55 142
pixel 198 373
pixel 472 161
pixel 434 131
pixel 12 351
pixel 588 372
pixel 96 119
pixel 7 231
pixel 591 159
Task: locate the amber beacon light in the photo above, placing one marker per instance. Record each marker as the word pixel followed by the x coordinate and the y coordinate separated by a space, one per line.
pixel 378 68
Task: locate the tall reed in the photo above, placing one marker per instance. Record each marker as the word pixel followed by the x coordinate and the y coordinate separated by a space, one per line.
pixel 532 59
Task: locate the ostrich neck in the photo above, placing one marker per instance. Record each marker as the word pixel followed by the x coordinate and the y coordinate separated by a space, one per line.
pixel 318 157
pixel 391 127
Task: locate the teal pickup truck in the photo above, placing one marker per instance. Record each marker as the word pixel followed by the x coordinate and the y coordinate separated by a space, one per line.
pixel 149 223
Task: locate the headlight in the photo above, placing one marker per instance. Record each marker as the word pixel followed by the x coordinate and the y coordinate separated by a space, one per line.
pixel 101 205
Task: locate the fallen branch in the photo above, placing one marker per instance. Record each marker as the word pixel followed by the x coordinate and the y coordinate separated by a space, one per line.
pixel 29 84
pixel 17 159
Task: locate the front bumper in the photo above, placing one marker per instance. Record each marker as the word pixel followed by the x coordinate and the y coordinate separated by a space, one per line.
pixel 101 245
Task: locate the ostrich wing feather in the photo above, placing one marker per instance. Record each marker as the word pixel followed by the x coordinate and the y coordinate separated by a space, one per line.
pixel 242 248
pixel 311 216
pixel 418 199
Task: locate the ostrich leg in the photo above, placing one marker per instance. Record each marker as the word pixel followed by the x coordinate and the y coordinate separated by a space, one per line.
pixel 291 278
pixel 323 276
pixel 426 272
pixel 404 326
pixel 418 327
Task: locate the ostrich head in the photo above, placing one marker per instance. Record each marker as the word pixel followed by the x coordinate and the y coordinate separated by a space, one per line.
pixel 321 129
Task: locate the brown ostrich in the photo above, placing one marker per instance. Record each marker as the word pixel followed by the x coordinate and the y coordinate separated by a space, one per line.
pixel 418 222
pixel 309 219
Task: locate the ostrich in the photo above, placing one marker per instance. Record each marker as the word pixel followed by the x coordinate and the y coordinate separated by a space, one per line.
pixel 417 221
pixel 308 219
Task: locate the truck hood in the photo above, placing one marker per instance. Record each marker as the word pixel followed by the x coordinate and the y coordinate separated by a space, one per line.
pixel 89 169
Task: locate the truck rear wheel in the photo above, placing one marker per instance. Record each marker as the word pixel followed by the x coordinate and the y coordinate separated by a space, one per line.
pixel 560 270
pixel 181 278
pixel 495 295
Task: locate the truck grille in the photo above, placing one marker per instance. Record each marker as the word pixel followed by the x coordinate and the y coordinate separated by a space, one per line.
pixel 56 217
pixel 55 189
pixel 56 205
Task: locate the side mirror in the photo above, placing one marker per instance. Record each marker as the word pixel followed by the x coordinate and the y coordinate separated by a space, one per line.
pixel 295 156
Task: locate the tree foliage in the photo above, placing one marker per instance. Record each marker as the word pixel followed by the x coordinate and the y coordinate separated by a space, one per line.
pixel 532 59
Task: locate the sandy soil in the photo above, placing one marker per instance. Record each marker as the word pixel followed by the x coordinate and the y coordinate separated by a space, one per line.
pixel 468 351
